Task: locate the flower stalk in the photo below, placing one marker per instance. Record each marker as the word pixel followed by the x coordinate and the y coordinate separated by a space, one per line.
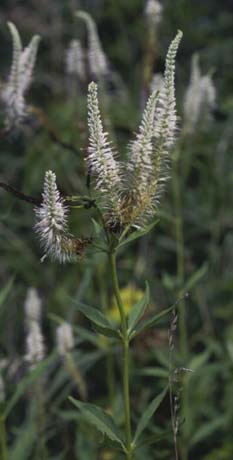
pixel 125 345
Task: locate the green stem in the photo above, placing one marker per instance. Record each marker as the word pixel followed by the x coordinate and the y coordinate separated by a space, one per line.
pixel 125 344
pixel 181 277
pixel 3 438
pixel 76 375
pixel 180 254
pixel 109 357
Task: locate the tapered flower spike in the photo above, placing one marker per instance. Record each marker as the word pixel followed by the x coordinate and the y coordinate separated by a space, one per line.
pixel 157 83
pixel 23 63
pixel 65 338
pixel 149 153
pixel 52 223
pixel 140 165
pixel 165 121
pixel 200 99
pixel 101 159
pixel 32 305
pixel 97 59
pixel 153 11
pixel 75 60
pixel 35 348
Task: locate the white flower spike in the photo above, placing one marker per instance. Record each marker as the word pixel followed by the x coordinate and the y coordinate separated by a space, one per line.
pixel 32 305
pixel 34 344
pixel 200 99
pixel 52 223
pixel 97 59
pixel 23 63
pixel 75 65
pixel 101 159
pixel 154 11
pixel 149 153
pixel 65 338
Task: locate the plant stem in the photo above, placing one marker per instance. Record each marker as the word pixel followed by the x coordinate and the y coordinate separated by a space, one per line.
pixel 3 438
pixel 181 277
pixel 109 357
pixel 179 254
pixel 125 343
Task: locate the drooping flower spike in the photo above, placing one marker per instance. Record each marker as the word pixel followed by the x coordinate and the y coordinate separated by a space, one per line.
pixel 199 100
pixel 20 78
pixel 97 60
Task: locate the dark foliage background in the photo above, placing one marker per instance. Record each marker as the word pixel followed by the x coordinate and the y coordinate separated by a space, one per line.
pixel 206 208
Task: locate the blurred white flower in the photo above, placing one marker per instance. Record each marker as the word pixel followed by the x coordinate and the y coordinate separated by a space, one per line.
pixel 32 305
pixel 154 11
pixel 35 349
pixel 199 100
pixel 97 60
pixel 20 78
pixel 65 338
pixel 75 62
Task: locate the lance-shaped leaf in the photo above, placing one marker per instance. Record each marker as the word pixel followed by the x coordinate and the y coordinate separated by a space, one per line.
pixel 27 382
pixel 98 319
pixel 100 419
pixel 138 310
pixel 138 233
pixel 150 322
pixel 147 415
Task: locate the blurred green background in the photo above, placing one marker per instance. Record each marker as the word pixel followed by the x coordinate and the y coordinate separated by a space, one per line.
pixel 206 198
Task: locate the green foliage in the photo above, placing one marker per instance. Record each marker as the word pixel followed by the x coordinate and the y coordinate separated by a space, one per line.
pixel 100 419
pixel 148 414
pixel 205 178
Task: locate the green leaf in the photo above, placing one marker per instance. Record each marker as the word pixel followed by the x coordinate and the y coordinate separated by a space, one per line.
pixel 207 429
pixel 98 228
pixel 138 234
pixel 153 439
pixel 25 440
pixel 26 382
pixel 107 332
pixel 100 419
pixel 100 321
pixel 5 291
pixel 196 277
pixel 138 310
pixel 83 333
pixel 151 409
pixel 199 360
pixel 150 322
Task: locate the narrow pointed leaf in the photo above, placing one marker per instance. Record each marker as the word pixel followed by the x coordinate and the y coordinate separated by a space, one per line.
pixel 99 320
pixel 138 233
pixel 100 419
pixel 27 382
pixel 148 414
pixel 5 291
pixel 196 277
pixel 150 322
pixel 107 332
pixel 138 310
pixel 153 439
